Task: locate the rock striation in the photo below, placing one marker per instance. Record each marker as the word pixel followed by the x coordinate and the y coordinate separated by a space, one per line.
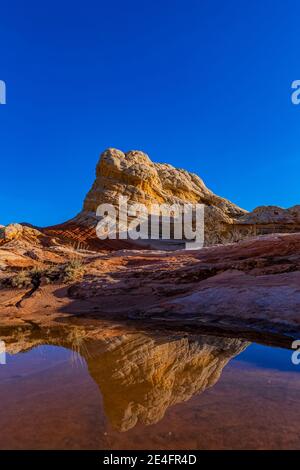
pixel 18 231
pixel 135 176
pixel 66 269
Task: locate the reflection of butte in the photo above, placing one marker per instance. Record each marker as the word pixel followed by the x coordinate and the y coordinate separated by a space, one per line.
pixel 140 378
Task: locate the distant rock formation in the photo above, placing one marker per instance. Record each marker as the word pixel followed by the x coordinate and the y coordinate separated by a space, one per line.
pixel 274 217
pixel 134 175
pixel 18 231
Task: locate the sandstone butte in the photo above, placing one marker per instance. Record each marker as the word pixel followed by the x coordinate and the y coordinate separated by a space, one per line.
pixel 245 278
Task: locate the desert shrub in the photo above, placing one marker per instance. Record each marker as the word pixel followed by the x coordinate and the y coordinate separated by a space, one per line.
pixel 73 270
pixel 36 272
pixel 26 278
pixel 29 278
pixel 21 280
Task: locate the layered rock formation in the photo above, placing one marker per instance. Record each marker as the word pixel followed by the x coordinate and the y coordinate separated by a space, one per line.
pixel 135 176
pixel 272 219
pixel 252 283
pixel 18 231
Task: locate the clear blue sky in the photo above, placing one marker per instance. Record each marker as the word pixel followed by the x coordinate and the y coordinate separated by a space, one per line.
pixel 203 85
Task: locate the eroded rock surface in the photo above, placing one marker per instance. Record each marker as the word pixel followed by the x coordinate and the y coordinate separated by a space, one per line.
pixel 253 283
pixel 135 176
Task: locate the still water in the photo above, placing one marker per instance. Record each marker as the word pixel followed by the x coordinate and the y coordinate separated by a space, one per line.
pixel 86 390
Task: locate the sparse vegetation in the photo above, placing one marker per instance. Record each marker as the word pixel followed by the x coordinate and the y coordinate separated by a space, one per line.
pixel 21 280
pixel 27 278
pixel 71 271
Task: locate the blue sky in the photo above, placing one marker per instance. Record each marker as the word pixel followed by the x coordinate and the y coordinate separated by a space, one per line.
pixel 204 85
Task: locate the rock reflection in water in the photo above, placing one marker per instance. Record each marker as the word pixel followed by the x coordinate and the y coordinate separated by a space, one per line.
pixel 140 376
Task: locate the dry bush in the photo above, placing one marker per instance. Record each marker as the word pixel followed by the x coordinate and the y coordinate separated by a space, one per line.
pixel 21 280
pixel 73 270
